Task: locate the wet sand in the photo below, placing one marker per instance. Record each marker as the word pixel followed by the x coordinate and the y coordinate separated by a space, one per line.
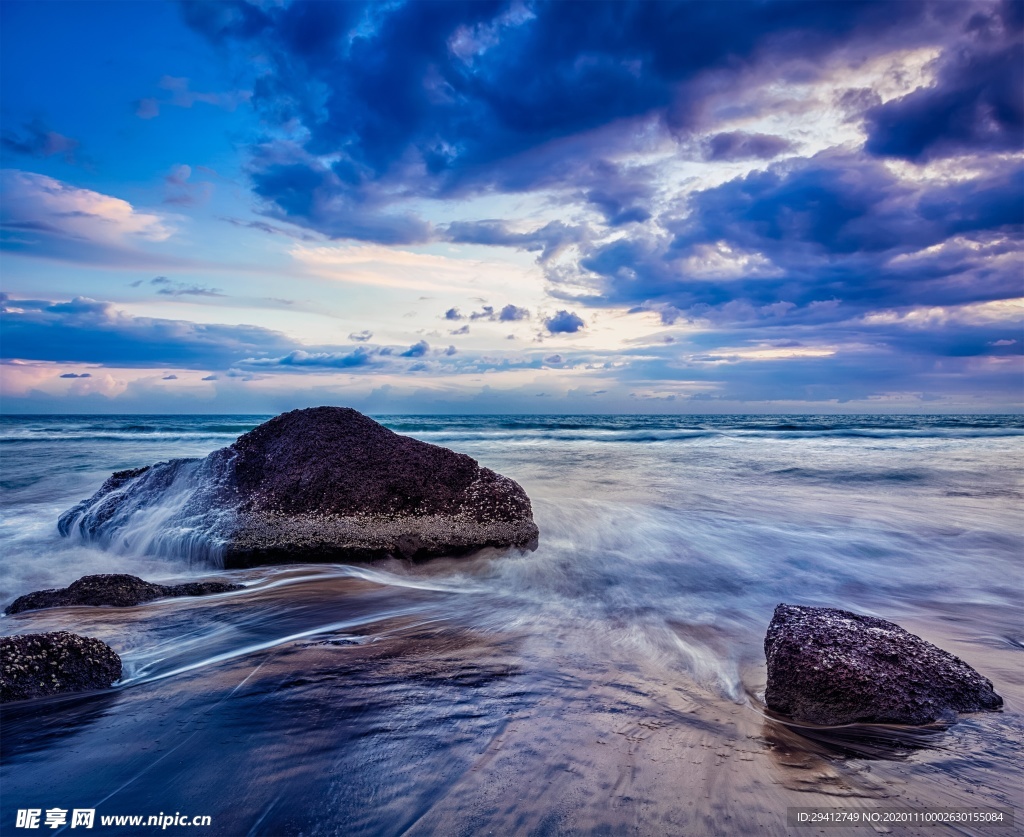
pixel 319 702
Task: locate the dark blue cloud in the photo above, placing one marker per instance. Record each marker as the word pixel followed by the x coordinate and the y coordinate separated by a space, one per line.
pixel 360 356
pixel 426 99
pixel 976 103
pixel 834 229
pixel 36 139
pixel 564 322
pixel 548 240
pixel 621 194
pixel 88 331
pixel 309 194
pixel 417 349
pixel 222 20
pixel 738 145
pixel 183 289
pixel 361 336
pixel 169 287
pixel 367 358
pixel 511 313
pixel 270 229
pixel 76 375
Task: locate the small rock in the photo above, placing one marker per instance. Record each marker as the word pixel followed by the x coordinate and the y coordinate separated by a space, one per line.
pixel 114 590
pixel 834 667
pixel 39 665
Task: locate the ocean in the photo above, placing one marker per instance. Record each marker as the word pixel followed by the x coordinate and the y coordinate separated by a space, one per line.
pixel 609 682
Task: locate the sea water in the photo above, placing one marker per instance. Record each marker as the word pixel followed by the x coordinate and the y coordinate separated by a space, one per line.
pixel 665 544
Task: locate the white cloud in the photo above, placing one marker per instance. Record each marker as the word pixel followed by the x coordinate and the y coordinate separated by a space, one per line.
pixel 372 264
pixel 720 261
pixel 36 203
pixel 927 317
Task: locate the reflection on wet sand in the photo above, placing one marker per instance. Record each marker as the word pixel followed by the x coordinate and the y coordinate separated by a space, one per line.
pixel 870 741
pixel 326 701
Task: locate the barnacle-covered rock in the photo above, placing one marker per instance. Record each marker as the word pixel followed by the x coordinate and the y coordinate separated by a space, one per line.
pixel 40 665
pixel 833 667
pixel 323 484
pixel 114 590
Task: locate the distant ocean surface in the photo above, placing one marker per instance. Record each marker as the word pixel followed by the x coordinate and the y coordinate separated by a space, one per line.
pixel 665 544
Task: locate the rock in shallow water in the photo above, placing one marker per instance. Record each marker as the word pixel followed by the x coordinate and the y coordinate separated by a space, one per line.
pixel 832 667
pixel 323 484
pixel 115 591
pixel 39 665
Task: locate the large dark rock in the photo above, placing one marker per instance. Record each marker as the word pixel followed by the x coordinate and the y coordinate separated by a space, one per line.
pixel 114 591
pixel 324 484
pixel 39 665
pixel 832 667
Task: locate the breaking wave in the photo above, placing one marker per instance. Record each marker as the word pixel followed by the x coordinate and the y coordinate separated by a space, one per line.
pixel 174 509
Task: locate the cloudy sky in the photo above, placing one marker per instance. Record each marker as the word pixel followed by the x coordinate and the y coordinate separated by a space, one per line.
pixel 512 206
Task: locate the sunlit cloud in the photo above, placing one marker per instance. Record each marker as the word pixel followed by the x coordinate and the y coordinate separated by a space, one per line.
pixel 1009 311
pixel 34 202
pixel 42 216
pixel 396 268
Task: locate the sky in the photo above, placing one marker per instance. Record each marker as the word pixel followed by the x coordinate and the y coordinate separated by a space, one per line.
pixel 780 206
